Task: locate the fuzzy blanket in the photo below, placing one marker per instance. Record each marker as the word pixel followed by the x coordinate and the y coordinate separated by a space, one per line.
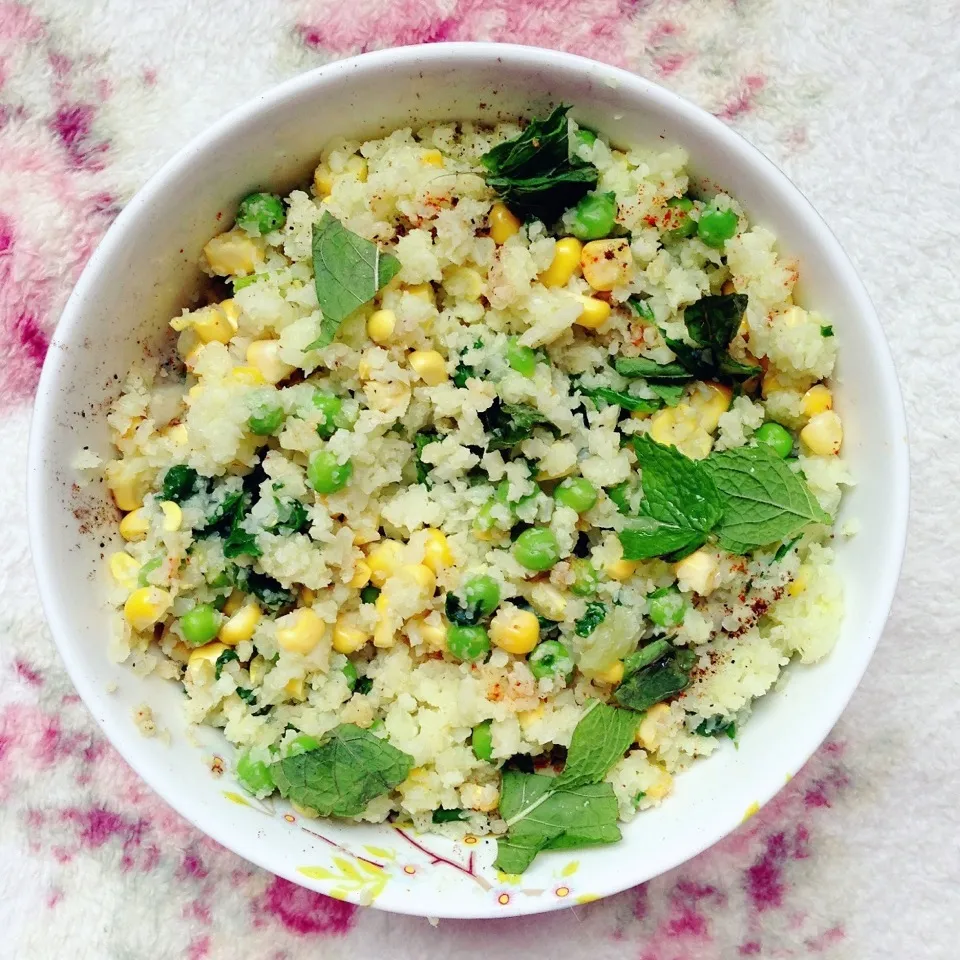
pixel 857 857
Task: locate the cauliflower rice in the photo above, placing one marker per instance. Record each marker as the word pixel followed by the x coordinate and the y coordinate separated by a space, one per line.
pixel 330 551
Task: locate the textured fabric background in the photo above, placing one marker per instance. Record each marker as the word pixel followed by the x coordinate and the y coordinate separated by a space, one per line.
pixel 858 857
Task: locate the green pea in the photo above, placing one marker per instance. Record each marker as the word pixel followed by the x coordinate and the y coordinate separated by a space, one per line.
pixel 369 593
pixel 537 549
pixel 467 642
pixel 331 410
pixel 777 438
pixel 302 744
pixel 326 474
pixel 350 673
pixel 595 216
pixel 625 495
pixel 481 593
pixel 522 359
pixel 148 568
pixel 265 419
pixel 586 137
pixel 586 578
pixel 481 740
pixel 716 227
pixel 578 493
pixel 255 775
pixel 260 213
pixel 684 225
pixel 667 607
pixel 200 625
pixel 550 659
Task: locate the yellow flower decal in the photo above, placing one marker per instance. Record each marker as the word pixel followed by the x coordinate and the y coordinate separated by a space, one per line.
pixel 751 810
pixel 570 869
pixel 358 881
pixel 236 798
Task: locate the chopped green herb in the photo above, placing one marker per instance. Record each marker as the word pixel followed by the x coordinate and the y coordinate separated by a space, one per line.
pixel 629 402
pixel 179 482
pixel 785 548
pixel 449 816
pixel 826 331
pixel 657 681
pixel 224 658
pixel 650 370
pixel 420 440
pixel 595 615
pixel 643 309
pixel 247 696
pixel 291 516
pixel 364 685
pixel 534 173
pixel 511 423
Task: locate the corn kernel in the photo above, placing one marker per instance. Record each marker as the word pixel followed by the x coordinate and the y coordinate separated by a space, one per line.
pixel 384 634
pixel 247 375
pixel 818 399
pixel 429 366
pixel 659 789
pixel 648 733
pixel 233 254
pixel 384 561
pixel 823 435
pixel 357 168
pixel 699 572
pixel 134 525
pixel 436 550
pixel 503 224
pixel 416 580
pixel 124 569
pixel 613 674
pixel 422 291
pixel 322 181
pixel 361 575
pixel 294 688
pixel 464 283
pixel 799 582
pixel 710 401
pixel 264 355
pixel 177 434
pixel 257 670
pixel 241 625
pixel 516 631
pixel 621 569
pixel 215 323
pixel 301 632
pixel 607 263
pixel 594 313
pixel 381 325
pixel 234 602
pixel 348 635
pixel 432 158
pixel 432 635
pixel 208 653
pixel 172 515
pixel 127 484
pixel 388 397
pixel 145 606
pixel 548 601
pixel 566 262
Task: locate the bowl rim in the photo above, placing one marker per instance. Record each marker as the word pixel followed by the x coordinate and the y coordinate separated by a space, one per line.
pixel 644 90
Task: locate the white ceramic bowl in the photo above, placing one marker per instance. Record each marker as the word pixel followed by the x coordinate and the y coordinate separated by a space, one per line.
pixel 144 270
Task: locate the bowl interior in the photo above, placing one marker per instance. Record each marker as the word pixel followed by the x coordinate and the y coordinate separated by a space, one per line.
pixel 146 270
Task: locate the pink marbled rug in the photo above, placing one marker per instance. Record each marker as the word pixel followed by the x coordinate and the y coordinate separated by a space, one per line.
pixel 857 858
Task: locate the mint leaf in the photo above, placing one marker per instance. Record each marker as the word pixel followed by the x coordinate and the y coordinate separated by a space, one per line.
pixel 627 401
pixel 573 809
pixel 670 394
pixel 652 371
pixel 764 501
pixel 680 503
pixel 601 738
pixel 343 774
pixel 542 817
pixel 712 322
pixel 347 272
pixel 656 681
pixel 534 173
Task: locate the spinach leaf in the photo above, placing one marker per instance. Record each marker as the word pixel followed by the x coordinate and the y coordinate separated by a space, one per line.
pixel 534 173
pixel 651 371
pixel 573 809
pixel 449 816
pixel 179 482
pixel 712 322
pixel 657 681
pixel 349 768
pixel 595 615
pixel 224 658
pixel 763 499
pixel 420 440
pixel 508 424
pixel 627 401
pixel 291 516
pixel 600 739
pixel 240 542
pixel 680 503
pixel 347 272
